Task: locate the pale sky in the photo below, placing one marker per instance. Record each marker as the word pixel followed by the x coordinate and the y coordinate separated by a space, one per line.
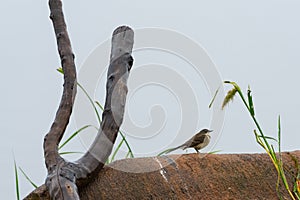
pixel 254 43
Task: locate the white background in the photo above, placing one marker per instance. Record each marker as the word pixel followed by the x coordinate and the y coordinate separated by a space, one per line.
pixel 251 42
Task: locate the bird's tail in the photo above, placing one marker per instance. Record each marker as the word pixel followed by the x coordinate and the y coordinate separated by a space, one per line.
pixel 170 150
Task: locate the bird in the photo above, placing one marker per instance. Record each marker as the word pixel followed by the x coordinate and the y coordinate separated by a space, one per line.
pixel 198 141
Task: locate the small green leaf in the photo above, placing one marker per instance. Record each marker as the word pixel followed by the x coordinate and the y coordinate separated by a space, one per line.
pixel 60 70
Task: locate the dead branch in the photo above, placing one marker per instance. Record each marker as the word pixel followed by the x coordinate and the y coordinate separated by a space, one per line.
pixel 64 177
pixel 54 162
pixel 116 91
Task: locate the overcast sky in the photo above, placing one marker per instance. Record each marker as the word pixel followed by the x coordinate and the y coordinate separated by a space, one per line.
pixel 254 43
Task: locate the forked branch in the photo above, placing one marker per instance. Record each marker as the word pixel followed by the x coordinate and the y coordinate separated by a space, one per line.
pixel 64 177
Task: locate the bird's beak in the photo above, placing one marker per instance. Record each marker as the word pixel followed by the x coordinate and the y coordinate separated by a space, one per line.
pixel 210 131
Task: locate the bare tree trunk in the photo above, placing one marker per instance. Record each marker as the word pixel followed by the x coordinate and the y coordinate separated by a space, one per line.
pixel 64 177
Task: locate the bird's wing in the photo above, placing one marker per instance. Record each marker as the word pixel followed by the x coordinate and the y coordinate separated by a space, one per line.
pixel 194 141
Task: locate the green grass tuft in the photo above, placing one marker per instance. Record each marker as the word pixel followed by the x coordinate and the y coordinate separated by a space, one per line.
pixel 263 140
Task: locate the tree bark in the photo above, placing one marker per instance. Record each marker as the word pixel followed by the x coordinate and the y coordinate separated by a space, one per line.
pixel 116 91
pixel 64 177
pixel 60 184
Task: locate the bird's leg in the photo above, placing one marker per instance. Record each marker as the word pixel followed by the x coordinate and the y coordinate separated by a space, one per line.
pixel 196 150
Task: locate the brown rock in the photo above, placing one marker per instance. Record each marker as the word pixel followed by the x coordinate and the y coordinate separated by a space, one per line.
pixel 188 176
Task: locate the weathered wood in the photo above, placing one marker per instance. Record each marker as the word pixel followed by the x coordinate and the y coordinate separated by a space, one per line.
pixel 189 176
pixel 116 91
pixel 59 186
pixel 64 177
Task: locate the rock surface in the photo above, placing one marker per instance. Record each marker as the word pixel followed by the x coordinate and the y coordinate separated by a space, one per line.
pixel 188 176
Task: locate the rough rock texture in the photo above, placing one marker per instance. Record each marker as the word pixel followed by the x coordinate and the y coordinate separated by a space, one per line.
pixel 188 176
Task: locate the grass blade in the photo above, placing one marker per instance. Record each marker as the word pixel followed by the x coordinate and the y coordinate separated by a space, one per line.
pixel 214 152
pixel 73 135
pixel 99 105
pixel 98 117
pixel 91 101
pixel 122 135
pixel 116 151
pixel 60 70
pixel 279 138
pixel 166 151
pixel 297 188
pixel 28 179
pixel 214 97
pixel 127 155
pixel 273 153
pixel 267 137
pixel 259 141
pixel 70 152
pixel 16 181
